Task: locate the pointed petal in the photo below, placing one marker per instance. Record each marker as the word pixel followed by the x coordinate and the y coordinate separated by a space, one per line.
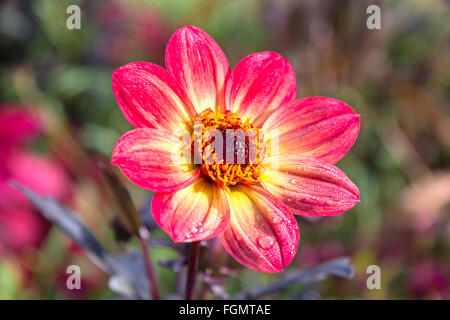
pixel 199 65
pixel 150 97
pixel 149 158
pixel 263 235
pixel 259 84
pixel 320 127
pixel 310 187
pixel 197 212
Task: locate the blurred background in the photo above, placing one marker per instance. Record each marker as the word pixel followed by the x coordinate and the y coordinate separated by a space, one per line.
pixel 59 118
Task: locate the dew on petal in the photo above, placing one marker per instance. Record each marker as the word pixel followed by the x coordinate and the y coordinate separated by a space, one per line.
pixel 276 220
pixel 330 202
pixel 266 242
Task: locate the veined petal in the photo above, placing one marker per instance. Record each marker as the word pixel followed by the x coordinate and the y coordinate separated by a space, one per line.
pixel 311 187
pixel 197 212
pixel 263 234
pixel 320 127
pixel 150 97
pixel 199 65
pixel 151 158
pixel 259 84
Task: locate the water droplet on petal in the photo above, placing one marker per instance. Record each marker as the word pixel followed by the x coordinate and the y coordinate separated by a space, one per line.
pixel 276 220
pixel 293 181
pixel 266 242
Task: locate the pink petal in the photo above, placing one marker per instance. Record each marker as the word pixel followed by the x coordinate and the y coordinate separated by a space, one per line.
pixel 320 127
pixel 197 212
pixel 150 97
pixel 19 124
pixel 21 228
pixel 42 174
pixel 199 65
pixel 263 235
pixel 149 158
pixel 311 187
pixel 259 84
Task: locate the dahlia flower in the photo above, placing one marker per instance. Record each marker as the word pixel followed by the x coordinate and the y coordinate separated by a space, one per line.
pixel 250 204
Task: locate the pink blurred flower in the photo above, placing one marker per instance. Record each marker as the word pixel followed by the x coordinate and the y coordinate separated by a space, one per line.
pixel 20 225
pixel 17 125
pixel 429 280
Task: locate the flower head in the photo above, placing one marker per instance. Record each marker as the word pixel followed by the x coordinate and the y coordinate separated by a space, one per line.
pixel 254 155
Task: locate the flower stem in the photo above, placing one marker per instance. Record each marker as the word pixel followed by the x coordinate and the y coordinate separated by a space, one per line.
pixel 152 282
pixel 194 253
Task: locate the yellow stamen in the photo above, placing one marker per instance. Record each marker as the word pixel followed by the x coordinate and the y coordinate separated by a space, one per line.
pixel 222 173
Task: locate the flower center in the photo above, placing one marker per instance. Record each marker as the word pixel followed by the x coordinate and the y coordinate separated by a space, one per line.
pixel 229 148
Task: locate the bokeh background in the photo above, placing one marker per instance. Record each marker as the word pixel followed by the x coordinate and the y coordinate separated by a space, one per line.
pixel 58 118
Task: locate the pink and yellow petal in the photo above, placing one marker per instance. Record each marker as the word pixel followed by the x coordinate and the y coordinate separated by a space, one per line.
pixel 151 158
pixel 320 127
pixel 198 63
pixel 310 187
pixel 259 84
pixel 197 212
pixel 150 97
pixel 263 234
